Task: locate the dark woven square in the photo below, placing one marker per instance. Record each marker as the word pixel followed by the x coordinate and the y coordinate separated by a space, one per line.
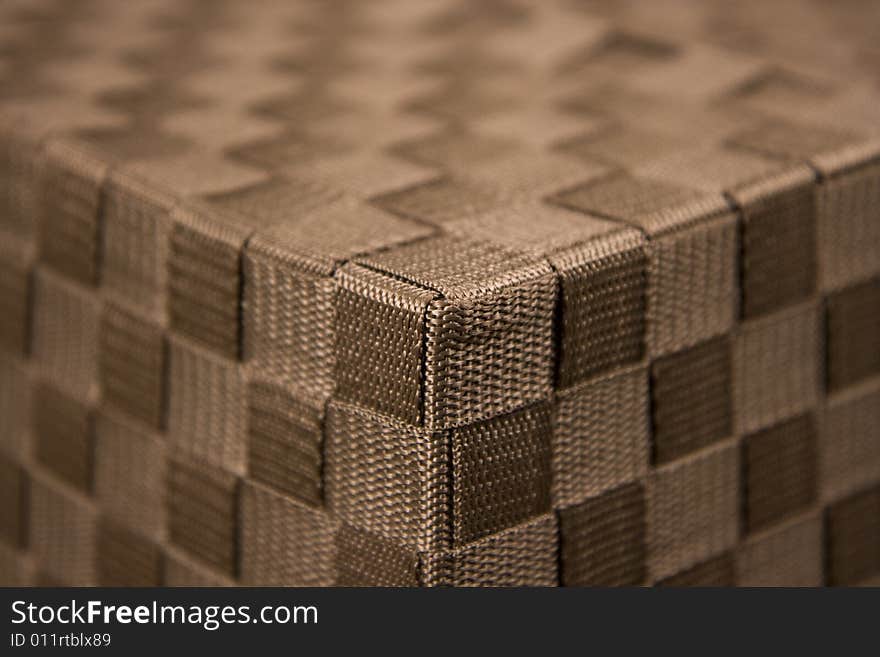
pixel 690 395
pixel 380 334
pixel 16 289
pixel 853 324
pixel 603 294
pixel 72 200
pixel 204 286
pixel 365 559
pixel 501 472
pixel 620 196
pixel 132 361
pixel 125 558
pixel 202 513
pixel 284 442
pixel 718 571
pixel 778 265
pixel 848 230
pixel 780 471
pixel 853 538
pixel 603 539
pixel 438 201
pixel 14 504
pixel 65 440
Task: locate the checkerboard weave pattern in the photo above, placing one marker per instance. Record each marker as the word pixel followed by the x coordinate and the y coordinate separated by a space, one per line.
pixel 439 293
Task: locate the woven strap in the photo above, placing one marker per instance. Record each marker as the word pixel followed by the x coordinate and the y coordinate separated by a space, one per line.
pixel 439 293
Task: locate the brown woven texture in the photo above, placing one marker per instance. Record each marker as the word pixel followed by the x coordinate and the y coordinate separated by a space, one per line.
pixel 439 293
